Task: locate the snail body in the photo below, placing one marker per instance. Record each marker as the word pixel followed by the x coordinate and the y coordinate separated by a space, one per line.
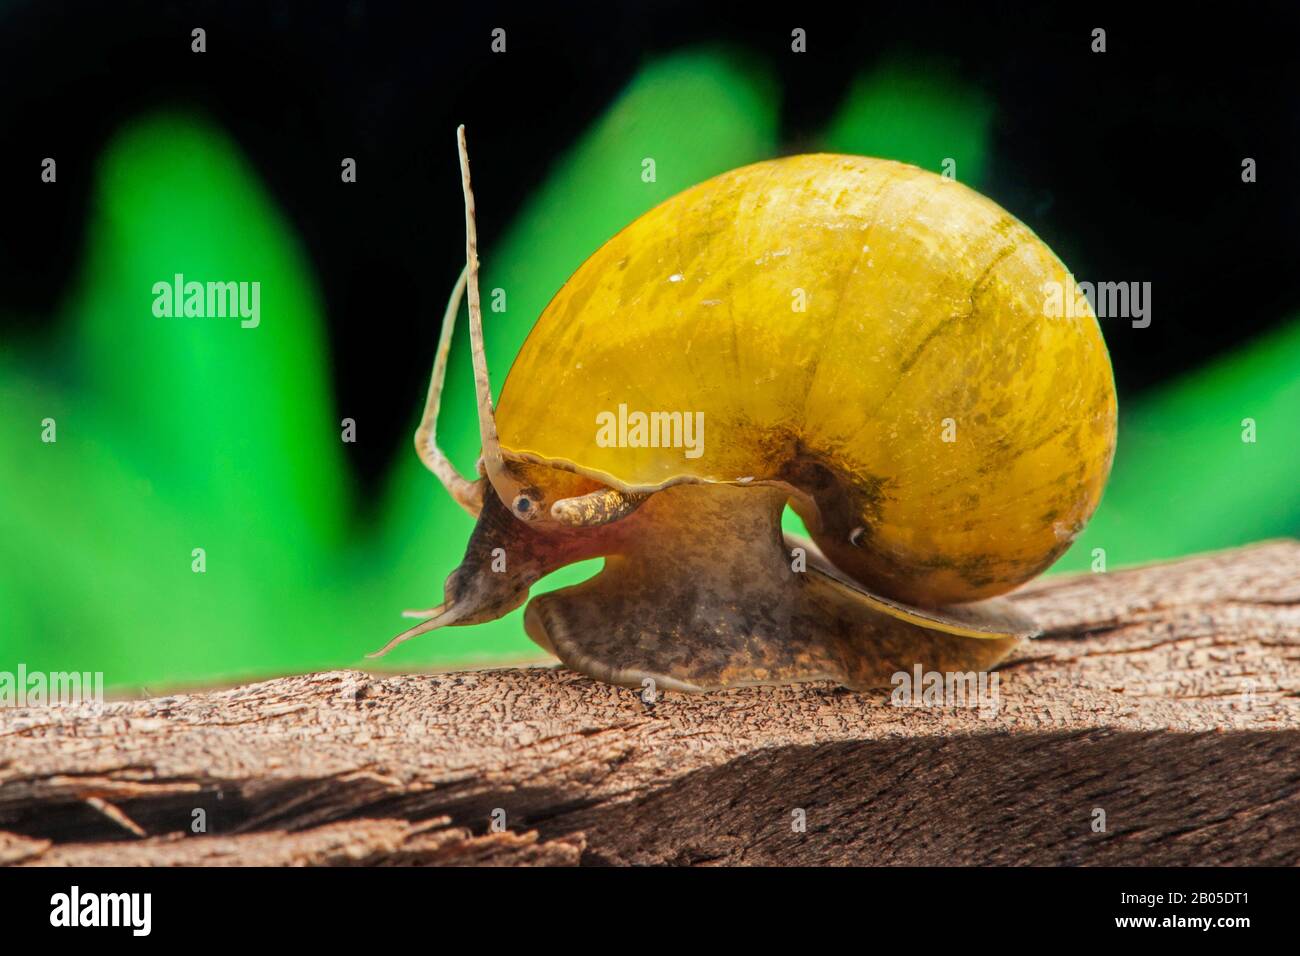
pixel 858 338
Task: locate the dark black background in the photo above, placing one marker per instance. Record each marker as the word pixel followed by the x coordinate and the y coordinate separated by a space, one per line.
pixel 1128 163
pixel 360 908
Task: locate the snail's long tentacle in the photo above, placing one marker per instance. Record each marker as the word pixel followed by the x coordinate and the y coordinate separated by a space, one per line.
pixel 421 614
pixel 468 494
pixel 492 459
pixel 442 616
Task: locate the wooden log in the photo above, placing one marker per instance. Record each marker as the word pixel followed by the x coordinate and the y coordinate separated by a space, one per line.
pixel 1156 721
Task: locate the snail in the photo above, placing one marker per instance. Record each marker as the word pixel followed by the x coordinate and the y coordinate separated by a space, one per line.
pixel 857 338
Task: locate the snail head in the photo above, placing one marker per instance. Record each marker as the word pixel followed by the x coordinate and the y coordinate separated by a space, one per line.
pixel 536 518
pixel 504 558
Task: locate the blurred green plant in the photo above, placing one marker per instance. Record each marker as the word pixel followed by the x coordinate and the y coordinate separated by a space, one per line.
pixel 176 434
pixel 1184 479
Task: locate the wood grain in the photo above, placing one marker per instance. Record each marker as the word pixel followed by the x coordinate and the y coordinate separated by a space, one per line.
pixel 1166 696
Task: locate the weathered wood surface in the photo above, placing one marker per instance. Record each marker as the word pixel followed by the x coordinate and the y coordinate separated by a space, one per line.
pixel 1167 697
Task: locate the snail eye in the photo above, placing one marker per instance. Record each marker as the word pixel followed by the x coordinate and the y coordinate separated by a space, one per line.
pixel 523 506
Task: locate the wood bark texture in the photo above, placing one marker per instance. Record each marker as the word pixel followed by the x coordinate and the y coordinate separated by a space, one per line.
pixel 1165 697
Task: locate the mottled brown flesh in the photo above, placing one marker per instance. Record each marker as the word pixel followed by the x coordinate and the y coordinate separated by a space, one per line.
pixel 700 593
